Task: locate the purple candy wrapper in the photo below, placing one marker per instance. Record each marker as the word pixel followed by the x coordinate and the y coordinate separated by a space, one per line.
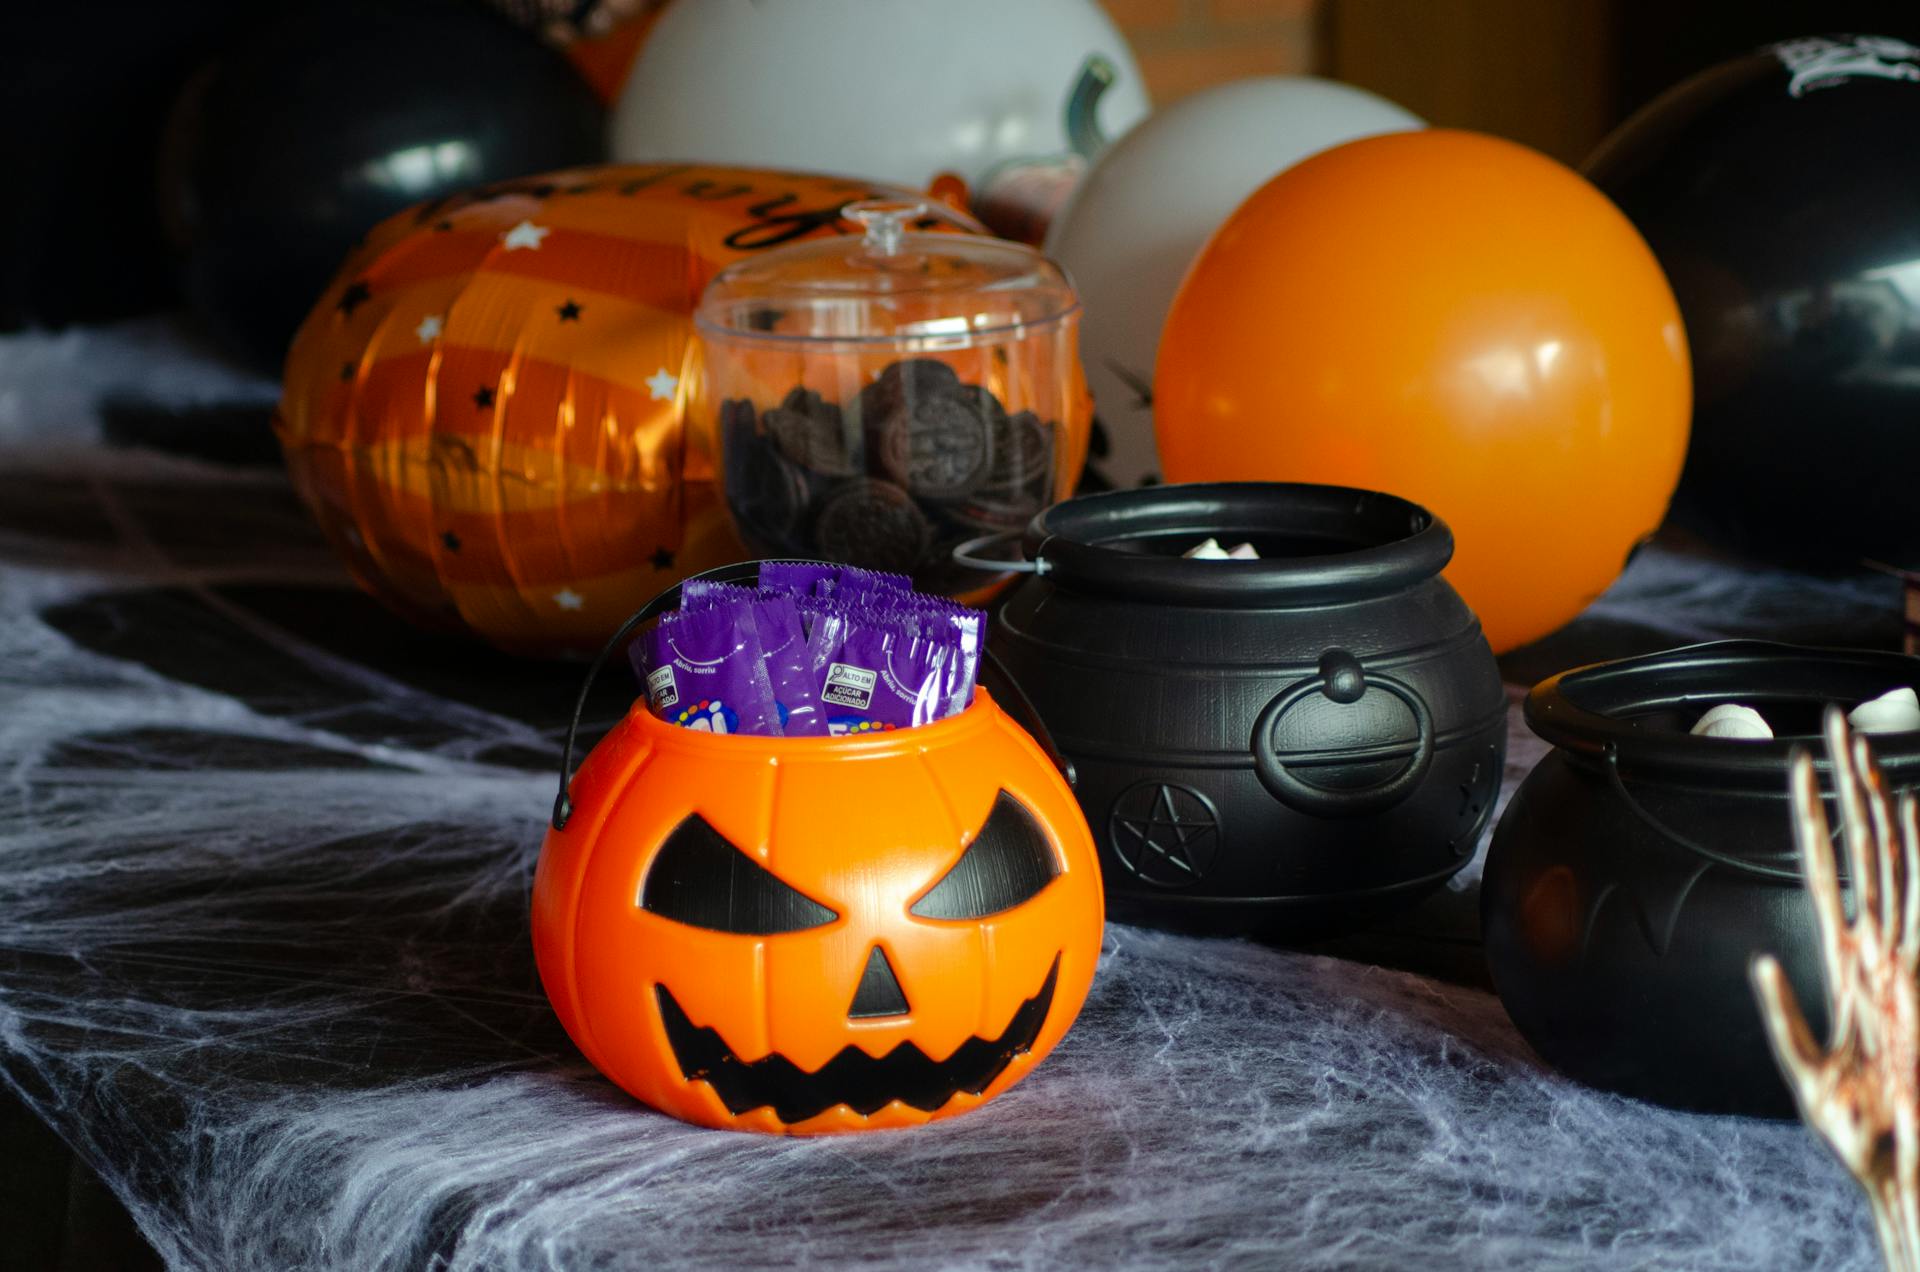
pixel 816 650
pixel 968 624
pixel 705 669
pixel 783 641
pixel 875 676
pixel 788 668
pixel 700 593
pixel 836 582
pixel 944 621
pixel 801 578
pixel 856 586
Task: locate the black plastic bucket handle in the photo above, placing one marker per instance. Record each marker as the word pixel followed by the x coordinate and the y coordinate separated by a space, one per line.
pixel 1027 714
pixel 660 604
pixel 748 572
pixel 968 554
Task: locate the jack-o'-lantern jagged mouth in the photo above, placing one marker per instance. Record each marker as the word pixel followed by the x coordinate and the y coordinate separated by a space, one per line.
pixel 852 1077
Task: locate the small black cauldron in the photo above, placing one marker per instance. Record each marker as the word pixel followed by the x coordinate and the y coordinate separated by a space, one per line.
pixel 1639 869
pixel 1286 746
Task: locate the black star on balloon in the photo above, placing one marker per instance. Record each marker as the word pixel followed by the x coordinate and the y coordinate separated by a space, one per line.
pixel 1142 391
pixel 346 370
pixel 483 397
pixel 1167 835
pixel 1098 444
pixel 452 541
pixel 356 295
pixel 662 559
pixel 569 312
pixel 443 226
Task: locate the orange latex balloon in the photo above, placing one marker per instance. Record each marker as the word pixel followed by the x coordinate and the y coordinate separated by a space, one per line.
pixel 803 935
pixel 1454 319
pixel 485 410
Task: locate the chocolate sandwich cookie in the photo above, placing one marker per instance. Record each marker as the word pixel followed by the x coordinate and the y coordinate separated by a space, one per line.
pixel 816 440
pixel 942 448
pixel 807 402
pixel 1019 482
pixel 767 494
pixel 873 524
pixel 813 432
pixel 1022 451
pixel 904 383
pixel 984 510
pixel 939 447
pixel 982 400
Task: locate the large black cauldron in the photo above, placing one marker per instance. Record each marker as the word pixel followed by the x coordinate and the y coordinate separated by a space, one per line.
pixel 1639 869
pixel 1286 746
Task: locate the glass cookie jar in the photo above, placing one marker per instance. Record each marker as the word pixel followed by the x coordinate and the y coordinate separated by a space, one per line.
pixel 878 399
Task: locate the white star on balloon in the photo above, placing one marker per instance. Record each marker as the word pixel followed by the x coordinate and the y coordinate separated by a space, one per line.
pixel 661 385
pixel 429 329
pixel 526 234
pixel 568 599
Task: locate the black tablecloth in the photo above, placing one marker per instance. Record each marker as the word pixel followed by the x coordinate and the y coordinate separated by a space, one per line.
pixel 264 863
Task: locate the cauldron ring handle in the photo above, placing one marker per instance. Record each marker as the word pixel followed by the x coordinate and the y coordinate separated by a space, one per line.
pixel 1342 679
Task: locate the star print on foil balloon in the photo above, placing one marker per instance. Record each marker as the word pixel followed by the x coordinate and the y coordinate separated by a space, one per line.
pixel 1861 1092
pixel 491 411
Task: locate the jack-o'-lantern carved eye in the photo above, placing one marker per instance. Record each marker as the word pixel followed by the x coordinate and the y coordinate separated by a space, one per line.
pixel 1008 862
pixel 700 879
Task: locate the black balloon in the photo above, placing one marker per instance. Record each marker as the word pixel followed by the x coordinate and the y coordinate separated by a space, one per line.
pixel 84 90
pixel 1781 192
pixel 296 140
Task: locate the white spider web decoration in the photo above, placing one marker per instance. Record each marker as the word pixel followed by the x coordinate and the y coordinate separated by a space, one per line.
pixel 264 862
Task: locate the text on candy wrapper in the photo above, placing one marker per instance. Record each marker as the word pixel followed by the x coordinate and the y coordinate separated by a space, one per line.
pixel 661 691
pixel 849 686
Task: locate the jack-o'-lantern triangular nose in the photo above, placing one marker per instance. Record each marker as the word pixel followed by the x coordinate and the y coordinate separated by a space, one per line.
pixel 879 992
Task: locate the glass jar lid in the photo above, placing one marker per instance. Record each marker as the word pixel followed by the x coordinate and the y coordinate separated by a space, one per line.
pixel 892 285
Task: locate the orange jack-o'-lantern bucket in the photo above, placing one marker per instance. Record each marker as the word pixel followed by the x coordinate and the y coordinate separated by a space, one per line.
pixel 805 935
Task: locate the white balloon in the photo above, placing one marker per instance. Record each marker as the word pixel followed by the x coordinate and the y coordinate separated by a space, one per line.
pixel 1146 208
pixel 889 90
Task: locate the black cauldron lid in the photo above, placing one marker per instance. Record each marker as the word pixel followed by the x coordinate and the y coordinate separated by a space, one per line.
pixel 1630 708
pixel 1317 544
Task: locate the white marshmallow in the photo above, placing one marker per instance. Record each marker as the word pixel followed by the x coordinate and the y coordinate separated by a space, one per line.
pixel 1208 551
pixel 1896 711
pixel 1731 720
pixel 1243 552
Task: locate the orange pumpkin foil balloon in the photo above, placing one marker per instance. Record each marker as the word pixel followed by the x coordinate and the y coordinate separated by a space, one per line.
pixel 485 410
pixel 805 935
pixel 1455 319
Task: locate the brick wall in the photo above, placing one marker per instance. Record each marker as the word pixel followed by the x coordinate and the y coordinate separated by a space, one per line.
pixel 1184 45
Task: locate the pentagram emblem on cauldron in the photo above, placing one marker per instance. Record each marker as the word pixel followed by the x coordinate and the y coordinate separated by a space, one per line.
pixel 1165 835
